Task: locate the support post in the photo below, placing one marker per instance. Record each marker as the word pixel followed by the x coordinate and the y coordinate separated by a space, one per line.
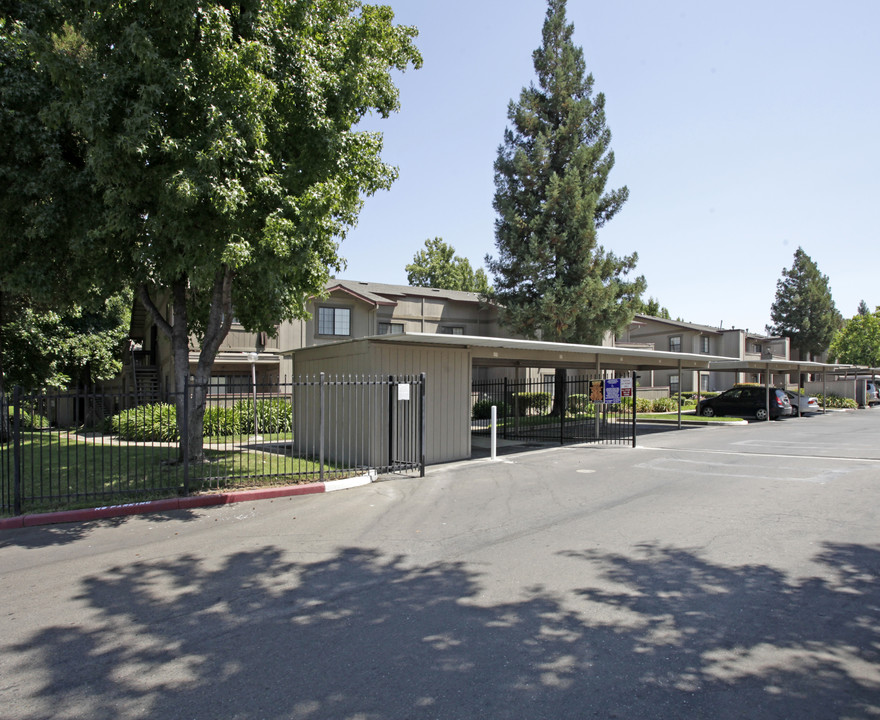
pixel 423 436
pixel 16 450
pixel 493 432
pixel 321 426
pixel 635 378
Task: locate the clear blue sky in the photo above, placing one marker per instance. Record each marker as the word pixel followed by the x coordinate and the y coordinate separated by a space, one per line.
pixel 743 130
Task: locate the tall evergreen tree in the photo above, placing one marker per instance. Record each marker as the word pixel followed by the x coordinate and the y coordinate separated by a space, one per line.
pixel 804 310
pixel 551 277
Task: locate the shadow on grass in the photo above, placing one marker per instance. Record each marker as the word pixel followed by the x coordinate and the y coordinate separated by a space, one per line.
pixel 361 635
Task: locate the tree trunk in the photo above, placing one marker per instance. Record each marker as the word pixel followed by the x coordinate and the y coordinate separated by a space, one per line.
pixel 559 393
pixel 190 419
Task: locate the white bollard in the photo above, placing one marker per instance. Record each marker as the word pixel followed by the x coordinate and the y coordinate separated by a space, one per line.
pixel 494 431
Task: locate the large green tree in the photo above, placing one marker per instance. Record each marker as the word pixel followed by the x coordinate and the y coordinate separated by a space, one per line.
pixel 437 266
pixel 858 341
pixel 551 277
pixel 220 144
pixel 804 310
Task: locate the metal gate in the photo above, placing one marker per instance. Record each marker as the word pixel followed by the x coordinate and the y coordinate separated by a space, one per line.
pixel 580 409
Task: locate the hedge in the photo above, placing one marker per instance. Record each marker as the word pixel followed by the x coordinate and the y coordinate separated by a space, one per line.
pixel 158 422
pixel 28 421
pixel 482 409
pixel 538 401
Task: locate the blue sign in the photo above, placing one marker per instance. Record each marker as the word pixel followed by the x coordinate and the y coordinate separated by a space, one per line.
pixel 612 391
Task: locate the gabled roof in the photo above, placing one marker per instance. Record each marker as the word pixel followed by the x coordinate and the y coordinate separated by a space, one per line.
pixel 641 319
pixel 383 294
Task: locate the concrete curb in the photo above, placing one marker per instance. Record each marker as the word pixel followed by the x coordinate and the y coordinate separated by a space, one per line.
pixel 183 503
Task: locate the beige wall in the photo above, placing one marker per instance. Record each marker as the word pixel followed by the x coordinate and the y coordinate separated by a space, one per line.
pixel 448 383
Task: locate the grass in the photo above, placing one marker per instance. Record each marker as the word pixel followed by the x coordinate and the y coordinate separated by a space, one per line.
pixel 63 470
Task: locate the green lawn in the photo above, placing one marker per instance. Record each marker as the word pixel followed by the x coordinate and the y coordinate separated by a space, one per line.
pixel 63 470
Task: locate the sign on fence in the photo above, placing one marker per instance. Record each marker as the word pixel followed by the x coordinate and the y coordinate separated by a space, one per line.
pixel 612 391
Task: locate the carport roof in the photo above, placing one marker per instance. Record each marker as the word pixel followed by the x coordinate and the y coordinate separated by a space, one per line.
pixel 776 365
pixel 489 351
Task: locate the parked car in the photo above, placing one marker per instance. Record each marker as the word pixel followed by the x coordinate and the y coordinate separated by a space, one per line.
pixel 802 404
pixel 747 402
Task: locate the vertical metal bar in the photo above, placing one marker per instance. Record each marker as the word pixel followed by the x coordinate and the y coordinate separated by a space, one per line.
pixel 635 394
pixel 16 450
pixel 423 416
pixel 321 428
pixel 184 440
pixel 390 422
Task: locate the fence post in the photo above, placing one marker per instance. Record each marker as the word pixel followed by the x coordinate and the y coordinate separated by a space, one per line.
pixel 16 445
pixel 423 440
pixel 391 423
pixel 184 440
pixel 562 403
pixel 321 426
pixel 504 406
pixel 635 393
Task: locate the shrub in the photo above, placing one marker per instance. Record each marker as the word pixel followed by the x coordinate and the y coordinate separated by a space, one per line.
pixel 274 416
pixel 835 401
pixel 28 421
pixel 482 409
pixel 643 405
pixel 537 401
pixel 156 423
pixel 579 403
pixel 220 420
pixel 663 405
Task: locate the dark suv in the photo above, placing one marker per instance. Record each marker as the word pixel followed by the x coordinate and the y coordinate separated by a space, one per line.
pixel 747 402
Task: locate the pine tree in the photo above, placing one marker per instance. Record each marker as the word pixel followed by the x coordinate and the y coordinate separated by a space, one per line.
pixel 804 310
pixel 551 278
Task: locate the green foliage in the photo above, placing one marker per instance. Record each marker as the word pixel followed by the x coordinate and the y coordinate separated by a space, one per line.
pixel 147 423
pixel 74 345
pixel 579 403
pixel 28 420
pixel 551 277
pixel 651 307
pixel 804 309
pixel 837 402
pixel 482 409
pixel 437 266
pixel 663 405
pixel 531 403
pixel 157 422
pixel 273 416
pixel 211 149
pixel 858 341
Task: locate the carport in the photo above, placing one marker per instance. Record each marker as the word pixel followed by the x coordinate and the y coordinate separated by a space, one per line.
pixel 448 362
pixel 766 368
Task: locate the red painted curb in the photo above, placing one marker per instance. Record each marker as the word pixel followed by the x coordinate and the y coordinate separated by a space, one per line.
pixel 142 508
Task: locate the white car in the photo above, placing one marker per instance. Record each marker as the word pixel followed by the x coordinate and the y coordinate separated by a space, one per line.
pixel 802 404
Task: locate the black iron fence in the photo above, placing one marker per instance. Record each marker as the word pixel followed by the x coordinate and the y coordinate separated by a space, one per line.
pixel 79 449
pixel 580 409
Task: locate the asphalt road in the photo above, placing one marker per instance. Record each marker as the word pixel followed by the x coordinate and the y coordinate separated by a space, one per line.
pixel 709 573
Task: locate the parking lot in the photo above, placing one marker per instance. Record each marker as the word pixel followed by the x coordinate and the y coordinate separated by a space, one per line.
pixel 721 572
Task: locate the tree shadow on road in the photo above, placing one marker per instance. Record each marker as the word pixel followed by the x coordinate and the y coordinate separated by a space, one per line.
pixel 369 637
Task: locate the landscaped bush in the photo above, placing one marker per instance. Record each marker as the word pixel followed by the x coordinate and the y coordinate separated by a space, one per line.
pixel 158 422
pixel 273 416
pixel 835 401
pixel 579 403
pixel 482 409
pixel 537 401
pixel 643 405
pixel 663 405
pixel 153 423
pixel 28 421
pixel 235 420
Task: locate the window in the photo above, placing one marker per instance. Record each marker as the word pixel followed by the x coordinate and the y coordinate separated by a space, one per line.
pixel 675 343
pixel 704 383
pixel 386 328
pixel 673 384
pixel 334 321
pixel 704 344
pixel 756 348
pixel 223 384
pixel 451 330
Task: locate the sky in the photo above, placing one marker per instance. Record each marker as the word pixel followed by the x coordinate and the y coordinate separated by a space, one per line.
pixel 742 130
